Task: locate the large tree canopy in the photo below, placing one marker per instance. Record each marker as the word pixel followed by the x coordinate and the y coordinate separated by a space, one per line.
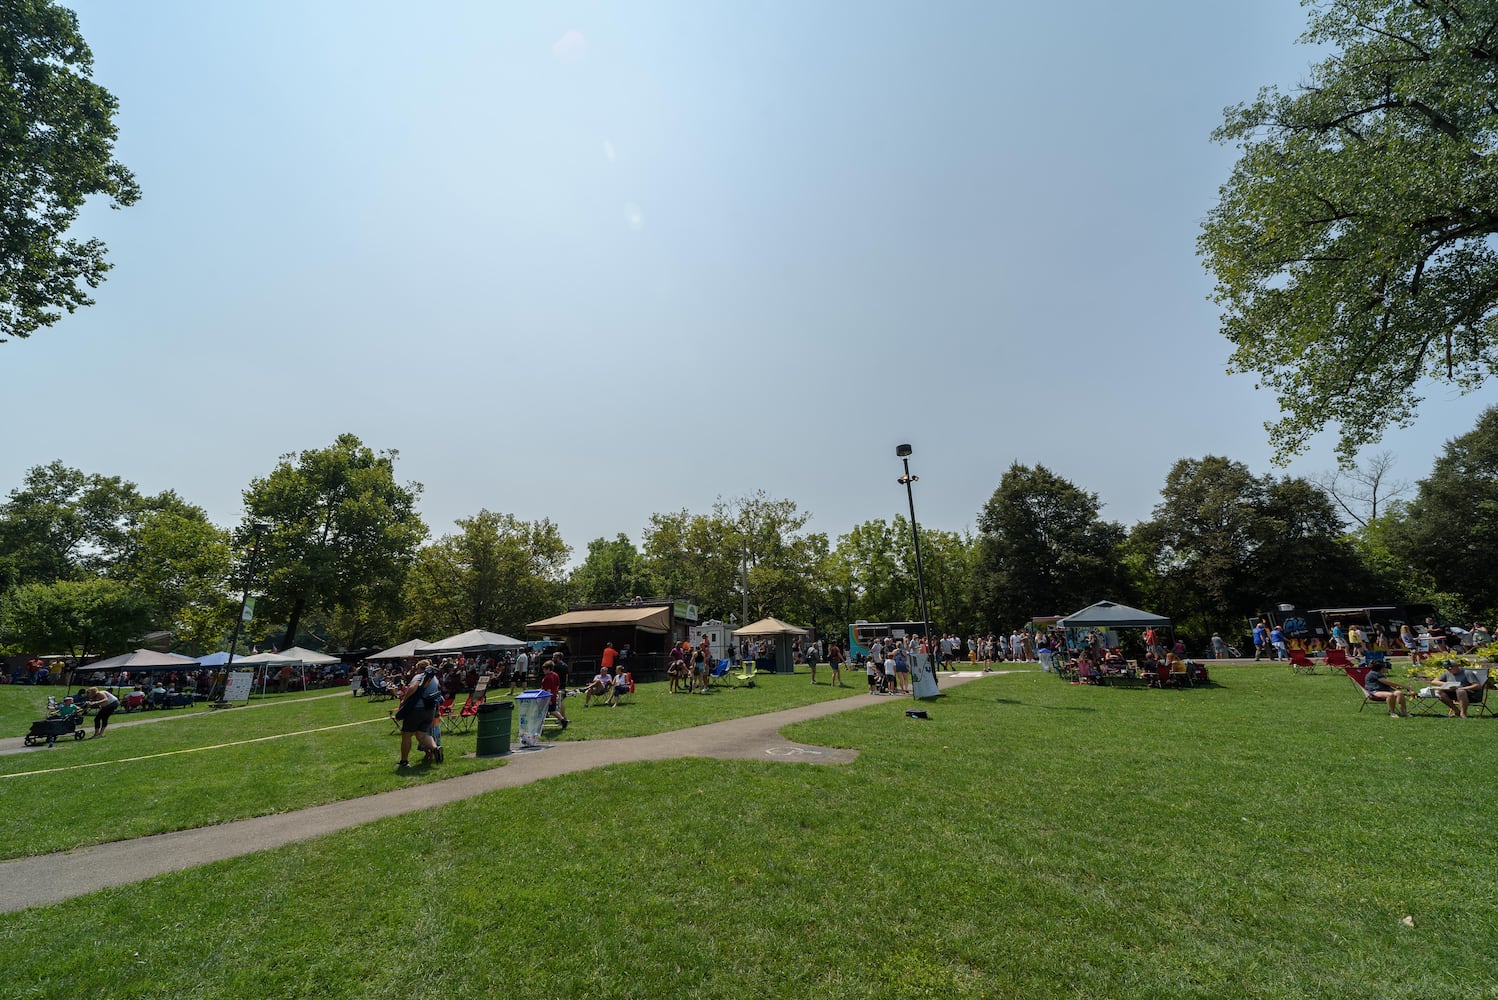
pixel 1352 245
pixel 1043 549
pixel 56 149
pixel 82 618
pixel 341 534
pixel 497 573
pixel 1225 543
pixel 1449 532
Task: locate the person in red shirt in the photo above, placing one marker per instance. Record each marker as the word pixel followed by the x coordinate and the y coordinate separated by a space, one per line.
pixel 610 655
pixel 551 682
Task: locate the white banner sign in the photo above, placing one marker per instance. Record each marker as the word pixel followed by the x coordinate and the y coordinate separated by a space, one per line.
pixel 239 685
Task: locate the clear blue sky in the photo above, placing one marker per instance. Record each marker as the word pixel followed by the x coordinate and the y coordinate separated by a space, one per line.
pixel 589 261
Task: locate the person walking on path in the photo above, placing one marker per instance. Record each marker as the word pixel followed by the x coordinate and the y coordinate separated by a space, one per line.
pixel 417 711
pixel 103 703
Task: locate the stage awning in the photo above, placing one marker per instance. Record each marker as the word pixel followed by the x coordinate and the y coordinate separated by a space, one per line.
pixel 647 619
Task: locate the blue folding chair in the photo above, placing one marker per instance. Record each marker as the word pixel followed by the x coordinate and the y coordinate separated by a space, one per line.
pixel 717 673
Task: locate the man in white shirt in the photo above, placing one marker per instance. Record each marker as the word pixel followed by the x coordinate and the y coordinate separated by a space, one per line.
pixel 519 670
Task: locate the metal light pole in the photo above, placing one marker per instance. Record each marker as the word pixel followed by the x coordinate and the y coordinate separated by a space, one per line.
pixel 259 528
pixel 902 452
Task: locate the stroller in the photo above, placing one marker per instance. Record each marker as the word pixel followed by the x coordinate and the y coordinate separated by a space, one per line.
pixel 50 729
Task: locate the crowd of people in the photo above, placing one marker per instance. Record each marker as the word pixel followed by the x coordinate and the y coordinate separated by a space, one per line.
pixel 1272 641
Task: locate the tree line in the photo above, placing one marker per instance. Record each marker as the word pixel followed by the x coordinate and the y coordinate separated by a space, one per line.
pixel 343 560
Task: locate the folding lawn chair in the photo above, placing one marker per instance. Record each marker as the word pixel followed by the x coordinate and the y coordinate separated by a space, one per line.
pixel 1357 675
pixel 1431 703
pixel 624 686
pixel 463 722
pixel 1479 704
pixel 1337 658
pixel 1300 663
pixel 719 671
pixel 746 675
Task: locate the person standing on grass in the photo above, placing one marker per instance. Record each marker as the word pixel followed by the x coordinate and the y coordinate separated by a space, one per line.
pixel 551 683
pixel 1219 647
pixel 1043 652
pixel 103 703
pixel 1408 641
pixel 698 681
pixel 521 669
pixel 1277 640
pixel 1356 641
pixel 811 661
pixel 835 664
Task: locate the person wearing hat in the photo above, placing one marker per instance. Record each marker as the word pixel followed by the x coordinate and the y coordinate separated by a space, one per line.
pixel 1380 688
pixel 1456 687
pixel 67 710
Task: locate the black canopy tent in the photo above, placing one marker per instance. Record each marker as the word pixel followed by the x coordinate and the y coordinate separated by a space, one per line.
pixel 1107 614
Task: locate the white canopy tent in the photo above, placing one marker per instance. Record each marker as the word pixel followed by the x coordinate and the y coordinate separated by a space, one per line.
pixel 404 651
pixel 473 641
pixel 308 657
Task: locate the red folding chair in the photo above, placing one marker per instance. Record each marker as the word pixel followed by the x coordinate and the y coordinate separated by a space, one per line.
pixel 1337 658
pixel 463 721
pixel 1357 675
pixel 1301 663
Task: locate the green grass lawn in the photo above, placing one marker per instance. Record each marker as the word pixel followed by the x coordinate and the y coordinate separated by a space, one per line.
pixel 183 769
pixel 1259 838
pixel 23 704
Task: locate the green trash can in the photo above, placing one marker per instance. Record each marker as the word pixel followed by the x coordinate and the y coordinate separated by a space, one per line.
pixel 494 728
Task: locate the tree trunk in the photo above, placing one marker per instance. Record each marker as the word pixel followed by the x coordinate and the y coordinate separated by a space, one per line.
pixel 294 623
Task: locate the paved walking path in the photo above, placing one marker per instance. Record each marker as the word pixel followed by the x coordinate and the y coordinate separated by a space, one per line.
pixel 35 881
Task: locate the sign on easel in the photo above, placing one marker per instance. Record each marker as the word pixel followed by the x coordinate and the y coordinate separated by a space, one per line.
pixel 238 686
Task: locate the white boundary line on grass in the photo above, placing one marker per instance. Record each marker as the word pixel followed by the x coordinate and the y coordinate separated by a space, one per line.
pixel 173 753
